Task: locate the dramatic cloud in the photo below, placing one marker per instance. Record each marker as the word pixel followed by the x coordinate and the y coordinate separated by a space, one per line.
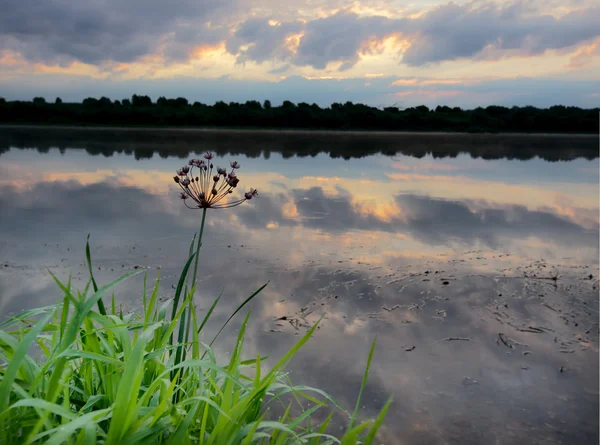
pixel 236 50
pixel 259 41
pixel 453 31
pixel 431 221
pixel 58 31
pixel 62 31
pixel 338 38
pixel 448 32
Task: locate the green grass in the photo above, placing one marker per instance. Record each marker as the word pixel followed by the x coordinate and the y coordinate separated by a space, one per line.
pixel 71 374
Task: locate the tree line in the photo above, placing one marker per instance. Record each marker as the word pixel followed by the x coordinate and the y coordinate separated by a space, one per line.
pixel 140 110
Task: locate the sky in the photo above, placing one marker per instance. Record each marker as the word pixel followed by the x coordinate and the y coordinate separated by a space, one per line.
pixel 378 52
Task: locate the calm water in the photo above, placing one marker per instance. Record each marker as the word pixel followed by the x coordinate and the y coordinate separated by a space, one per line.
pixel 415 239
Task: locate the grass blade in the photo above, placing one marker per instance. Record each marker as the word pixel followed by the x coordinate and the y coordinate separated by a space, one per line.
pixel 246 301
pixel 88 258
pixel 19 356
pixel 362 386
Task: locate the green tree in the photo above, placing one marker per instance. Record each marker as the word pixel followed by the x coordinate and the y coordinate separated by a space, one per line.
pixel 58 101
pixel 267 105
pixel 39 100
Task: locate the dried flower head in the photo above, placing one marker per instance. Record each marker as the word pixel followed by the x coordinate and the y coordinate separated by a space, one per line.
pixel 208 189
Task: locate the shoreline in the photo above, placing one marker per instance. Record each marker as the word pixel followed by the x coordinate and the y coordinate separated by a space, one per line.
pixel 290 131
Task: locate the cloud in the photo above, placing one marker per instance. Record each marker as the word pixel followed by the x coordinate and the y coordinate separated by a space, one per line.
pixel 257 40
pixel 338 38
pixel 448 32
pixel 60 32
pixel 429 220
pixel 461 31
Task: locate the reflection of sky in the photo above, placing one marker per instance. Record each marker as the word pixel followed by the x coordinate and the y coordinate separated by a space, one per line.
pixel 350 238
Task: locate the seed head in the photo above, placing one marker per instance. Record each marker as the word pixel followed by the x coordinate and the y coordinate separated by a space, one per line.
pixel 203 192
pixel 251 193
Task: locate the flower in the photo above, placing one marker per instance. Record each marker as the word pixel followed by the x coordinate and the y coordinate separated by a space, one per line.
pixel 251 193
pixel 198 187
pixel 232 179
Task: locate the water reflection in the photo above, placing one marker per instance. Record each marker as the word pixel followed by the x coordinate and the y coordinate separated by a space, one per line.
pixel 418 260
pixel 144 143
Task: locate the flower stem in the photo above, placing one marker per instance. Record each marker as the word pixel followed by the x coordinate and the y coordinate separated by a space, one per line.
pixel 198 249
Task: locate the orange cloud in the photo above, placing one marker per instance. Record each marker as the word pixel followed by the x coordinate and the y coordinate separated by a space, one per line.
pixel 425 82
pixel 419 177
pixel 292 42
pixel 321 178
pixel 427 93
pixel 424 166
pixel 392 42
pixel 206 50
pixel 16 62
pixel 289 210
pixel 584 55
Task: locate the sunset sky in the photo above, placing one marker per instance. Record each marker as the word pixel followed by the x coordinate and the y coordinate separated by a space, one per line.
pixel 379 52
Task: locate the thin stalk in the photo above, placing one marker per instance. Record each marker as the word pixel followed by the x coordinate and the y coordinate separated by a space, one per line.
pixel 198 248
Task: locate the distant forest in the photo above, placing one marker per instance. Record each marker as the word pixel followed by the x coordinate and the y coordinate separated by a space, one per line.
pixel 141 111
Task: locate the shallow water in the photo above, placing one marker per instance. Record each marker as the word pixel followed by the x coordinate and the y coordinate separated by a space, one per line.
pixel 473 259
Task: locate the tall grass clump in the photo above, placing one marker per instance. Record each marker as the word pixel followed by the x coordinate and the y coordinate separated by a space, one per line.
pixel 79 373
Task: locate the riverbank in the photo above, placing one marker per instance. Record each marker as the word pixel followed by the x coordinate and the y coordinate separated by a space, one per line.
pixel 292 131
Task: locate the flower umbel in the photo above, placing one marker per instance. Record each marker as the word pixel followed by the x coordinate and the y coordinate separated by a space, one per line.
pixel 208 188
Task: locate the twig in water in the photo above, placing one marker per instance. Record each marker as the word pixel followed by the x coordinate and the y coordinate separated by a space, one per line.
pixel 531 329
pixel 456 339
pixel 566 351
pixel 504 339
pixel 549 307
pixel 390 309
